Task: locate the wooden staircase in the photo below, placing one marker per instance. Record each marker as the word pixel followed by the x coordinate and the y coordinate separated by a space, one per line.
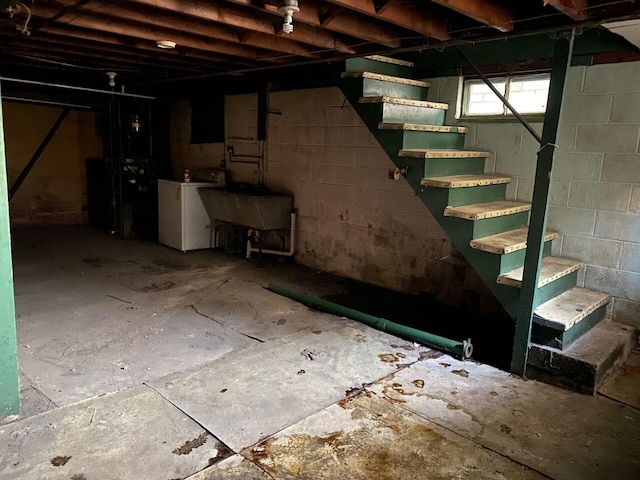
pixel 489 230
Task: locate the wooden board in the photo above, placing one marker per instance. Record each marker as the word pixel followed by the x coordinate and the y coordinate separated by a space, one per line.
pixel 422 128
pixel 480 211
pixel 404 101
pixel 552 269
pixel 461 181
pixel 394 61
pixel 441 153
pixel 386 78
pixel 507 242
pixel 565 310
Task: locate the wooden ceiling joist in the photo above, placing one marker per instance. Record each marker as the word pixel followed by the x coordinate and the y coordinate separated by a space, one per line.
pixel 401 14
pixel 336 20
pixel 165 19
pixel 118 26
pixel 575 9
pixel 483 11
pixel 81 35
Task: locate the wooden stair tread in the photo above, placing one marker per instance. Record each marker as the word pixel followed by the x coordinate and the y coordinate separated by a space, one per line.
pixel 460 181
pixel 552 268
pixel 480 211
pixel 567 309
pixel 422 128
pixel 507 242
pixel 386 78
pixel 394 61
pixel 404 101
pixel 441 153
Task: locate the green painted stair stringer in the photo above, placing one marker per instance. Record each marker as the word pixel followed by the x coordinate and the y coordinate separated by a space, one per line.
pixel 461 232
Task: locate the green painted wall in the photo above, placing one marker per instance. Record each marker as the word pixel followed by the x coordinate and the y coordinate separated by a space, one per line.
pixel 9 388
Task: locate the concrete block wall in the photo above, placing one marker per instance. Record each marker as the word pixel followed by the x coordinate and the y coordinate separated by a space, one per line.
pixel 353 220
pixel 595 194
pixel 56 189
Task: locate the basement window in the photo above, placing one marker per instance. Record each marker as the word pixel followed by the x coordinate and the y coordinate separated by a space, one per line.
pixel 526 93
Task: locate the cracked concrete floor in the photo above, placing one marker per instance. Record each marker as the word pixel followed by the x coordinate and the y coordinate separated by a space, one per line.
pixel 141 362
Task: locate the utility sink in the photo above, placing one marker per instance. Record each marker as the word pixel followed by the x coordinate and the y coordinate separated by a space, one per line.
pixel 257 210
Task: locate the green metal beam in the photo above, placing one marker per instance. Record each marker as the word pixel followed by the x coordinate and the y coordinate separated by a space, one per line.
pixel 9 387
pixel 540 205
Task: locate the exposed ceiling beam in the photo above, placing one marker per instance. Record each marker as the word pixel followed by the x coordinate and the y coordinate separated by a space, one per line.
pixel 483 11
pixel 169 20
pixel 239 18
pixel 151 33
pixel 75 34
pixel 400 14
pixel 576 9
pixel 337 21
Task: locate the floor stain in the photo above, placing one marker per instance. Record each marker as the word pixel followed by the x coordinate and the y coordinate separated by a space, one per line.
pixel 388 357
pixel 94 261
pixel 189 445
pixel 461 372
pixel 407 347
pixel 156 287
pixel 60 460
pixel 418 383
pixel 78 476
pixel 281 321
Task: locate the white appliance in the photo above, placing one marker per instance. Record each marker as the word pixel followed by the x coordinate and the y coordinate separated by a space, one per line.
pixel 183 222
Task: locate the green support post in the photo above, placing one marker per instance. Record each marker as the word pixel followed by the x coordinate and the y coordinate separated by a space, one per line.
pixel 562 52
pixel 9 386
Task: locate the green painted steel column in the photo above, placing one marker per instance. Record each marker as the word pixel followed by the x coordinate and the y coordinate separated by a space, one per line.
pixel 9 387
pixel 540 205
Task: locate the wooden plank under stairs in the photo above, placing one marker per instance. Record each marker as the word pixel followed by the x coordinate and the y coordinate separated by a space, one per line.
pixel 393 61
pixel 481 211
pixel 552 269
pixel 422 128
pixel 404 101
pixel 441 153
pixel 563 319
pixel 461 181
pixel 507 242
pixel 386 78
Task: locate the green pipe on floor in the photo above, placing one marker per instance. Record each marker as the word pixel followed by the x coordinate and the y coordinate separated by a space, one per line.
pixel 461 349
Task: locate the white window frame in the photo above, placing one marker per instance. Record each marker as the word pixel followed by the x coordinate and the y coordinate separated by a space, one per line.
pixel 466 83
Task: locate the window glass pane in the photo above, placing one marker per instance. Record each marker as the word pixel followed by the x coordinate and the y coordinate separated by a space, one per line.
pixel 480 99
pixel 527 94
pixel 530 96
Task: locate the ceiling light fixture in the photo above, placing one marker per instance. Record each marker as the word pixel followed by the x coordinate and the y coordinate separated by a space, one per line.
pixel 288 8
pixel 165 44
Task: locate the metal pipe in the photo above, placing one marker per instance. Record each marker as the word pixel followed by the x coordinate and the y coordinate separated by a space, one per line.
pixel 34 158
pixel 286 253
pixel 36 101
pixel 71 87
pixel 462 349
pixel 486 80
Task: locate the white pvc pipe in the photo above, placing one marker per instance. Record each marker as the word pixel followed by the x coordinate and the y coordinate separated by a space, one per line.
pixel 286 253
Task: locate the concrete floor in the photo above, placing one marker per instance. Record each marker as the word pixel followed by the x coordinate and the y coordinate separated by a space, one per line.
pixel 138 361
